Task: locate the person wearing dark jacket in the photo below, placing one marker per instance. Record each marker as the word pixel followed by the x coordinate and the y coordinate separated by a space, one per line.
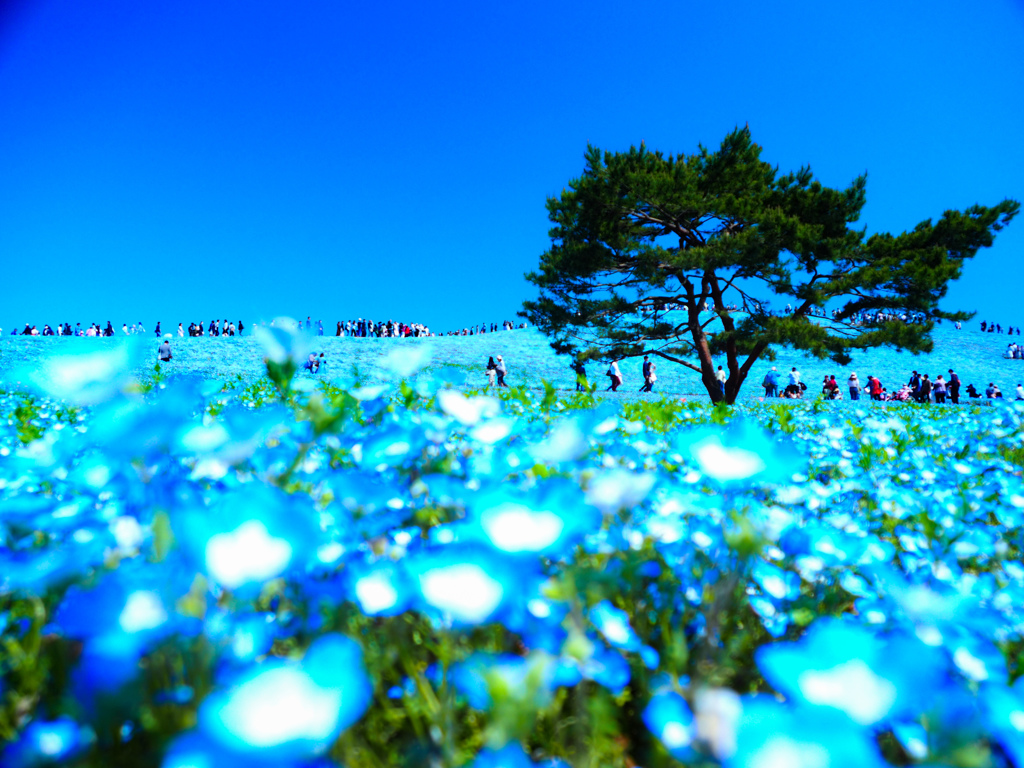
pixel 954 387
pixel 924 394
pixel 581 375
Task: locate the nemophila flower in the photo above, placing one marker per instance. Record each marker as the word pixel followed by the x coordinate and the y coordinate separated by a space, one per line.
pixel 382 588
pixel 614 625
pixel 509 756
pixel 283 341
pixel 391 446
pixel 81 379
pixel 847 667
pixel 774 735
pixel 126 614
pixel 242 638
pixel 291 710
pixel 255 534
pixel 405 360
pixel 567 441
pixel 467 586
pixel 543 521
pixel 668 717
pixel 46 742
pixel 913 738
pixel 773 618
pixel 467 410
pixel 615 490
pixel 128 605
pixel 775 582
pixel 742 453
pixel 604 666
pixel 34 569
pixel 492 431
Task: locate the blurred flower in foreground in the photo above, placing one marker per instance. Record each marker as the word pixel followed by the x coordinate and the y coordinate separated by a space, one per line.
pixel 283 341
pixel 841 665
pixel 467 586
pixel 741 453
pixel 668 717
pixel 84 379
pixel 544 521
pixel 774 735
pixel 289 710
pixel 406 360
pixel 251 536
pixel 46 743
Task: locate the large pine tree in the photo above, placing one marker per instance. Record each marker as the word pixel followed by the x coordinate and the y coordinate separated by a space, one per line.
pixel 642 242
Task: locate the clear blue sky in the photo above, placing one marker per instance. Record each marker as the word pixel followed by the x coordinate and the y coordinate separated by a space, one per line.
pixel 188 160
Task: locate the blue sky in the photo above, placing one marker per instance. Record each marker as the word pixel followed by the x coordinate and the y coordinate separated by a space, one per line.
pixel 189 160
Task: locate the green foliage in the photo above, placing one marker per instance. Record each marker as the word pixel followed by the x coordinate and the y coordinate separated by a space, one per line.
pixel 642 240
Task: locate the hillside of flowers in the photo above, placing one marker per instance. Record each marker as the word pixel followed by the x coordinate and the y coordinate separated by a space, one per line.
pixel 392 568
pixel 977 357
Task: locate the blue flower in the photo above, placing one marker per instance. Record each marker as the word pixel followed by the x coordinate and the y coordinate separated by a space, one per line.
pixel 381 589
pixel 47 743
pixel 668 717
pixel 253 535
pixel 544 522
pixel 742 453
pixel 774 735
pixel 466 586
pixel 847 667
pixel 613 623
pixel 290 710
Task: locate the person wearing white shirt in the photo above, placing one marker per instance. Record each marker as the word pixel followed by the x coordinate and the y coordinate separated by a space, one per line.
pixel 722 378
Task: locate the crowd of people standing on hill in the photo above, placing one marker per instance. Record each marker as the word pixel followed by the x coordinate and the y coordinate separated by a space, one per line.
pixel 920 388
pixel 987 327
pixel 358 328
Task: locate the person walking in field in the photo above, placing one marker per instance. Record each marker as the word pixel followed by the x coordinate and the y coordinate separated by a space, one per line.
pixel 164 353
pixel 615 375
pixel 646 371
pixel 492 371
pixel 502 372
pixel 939 389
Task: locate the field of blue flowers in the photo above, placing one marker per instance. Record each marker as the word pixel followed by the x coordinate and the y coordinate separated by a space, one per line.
pixel 221 562
pixel 977 357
